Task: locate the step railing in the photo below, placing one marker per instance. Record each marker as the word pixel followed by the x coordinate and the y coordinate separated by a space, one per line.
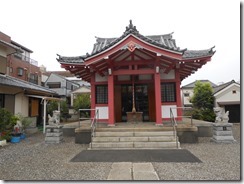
pixel 174 125
pixel 93 119
pixel 184 116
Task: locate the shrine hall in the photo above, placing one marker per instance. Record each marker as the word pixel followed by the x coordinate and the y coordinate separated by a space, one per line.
pixel 136 74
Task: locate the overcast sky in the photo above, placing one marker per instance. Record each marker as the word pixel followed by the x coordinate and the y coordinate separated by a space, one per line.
pixel 68 28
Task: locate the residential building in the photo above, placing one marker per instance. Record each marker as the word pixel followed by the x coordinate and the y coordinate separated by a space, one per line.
pixel 18 64
pixel 19 96
pixel 61 85
pixel 19 76
pixel 136 75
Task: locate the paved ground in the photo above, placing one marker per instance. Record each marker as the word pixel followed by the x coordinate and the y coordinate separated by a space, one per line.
pixel 32 159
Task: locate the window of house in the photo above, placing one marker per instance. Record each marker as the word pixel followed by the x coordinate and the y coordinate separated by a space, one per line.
pixel 1 100
pixel 101 94
pixel 20 71
pixel 33 78
pixel 168 92
pixel 186 95
pixel 234 91
pixel 54 84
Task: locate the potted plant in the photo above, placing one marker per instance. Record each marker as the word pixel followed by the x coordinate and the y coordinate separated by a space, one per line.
pixel 16 135
pixel 24 122
pixel 7 122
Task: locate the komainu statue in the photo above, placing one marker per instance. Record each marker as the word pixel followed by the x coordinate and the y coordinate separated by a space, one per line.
pixel 221 115
pixel 55 119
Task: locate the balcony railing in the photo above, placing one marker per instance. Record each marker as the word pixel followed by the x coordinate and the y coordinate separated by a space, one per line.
pixel 27 59
pixel 34 81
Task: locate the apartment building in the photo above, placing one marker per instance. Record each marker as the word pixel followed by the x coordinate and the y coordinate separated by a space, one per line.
pixel 16 62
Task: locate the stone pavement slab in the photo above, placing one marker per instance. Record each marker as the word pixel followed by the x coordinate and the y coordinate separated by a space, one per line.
pixel 132 171
pixel 120 171
pixel 142 167
pixel 144 171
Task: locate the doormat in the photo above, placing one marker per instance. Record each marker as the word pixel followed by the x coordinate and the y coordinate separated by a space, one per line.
pixel 169 155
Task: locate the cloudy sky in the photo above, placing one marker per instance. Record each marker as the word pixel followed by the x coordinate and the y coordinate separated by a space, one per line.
pixel 69 27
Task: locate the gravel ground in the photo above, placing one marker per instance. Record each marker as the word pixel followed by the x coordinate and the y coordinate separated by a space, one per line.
pixel 219 161
pixel 32 159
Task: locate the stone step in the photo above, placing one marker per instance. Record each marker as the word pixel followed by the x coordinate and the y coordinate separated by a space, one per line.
pixel 133 134
pixel 129 148
pixel 134 129
pixel 134 139
pixel 134 145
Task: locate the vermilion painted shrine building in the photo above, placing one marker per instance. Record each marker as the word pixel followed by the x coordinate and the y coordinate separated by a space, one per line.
pixel 150 66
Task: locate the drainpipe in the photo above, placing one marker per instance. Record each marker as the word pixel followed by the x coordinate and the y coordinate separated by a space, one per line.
pixel 44 116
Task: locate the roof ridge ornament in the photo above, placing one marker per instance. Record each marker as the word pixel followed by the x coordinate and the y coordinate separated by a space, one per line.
pixel 131 29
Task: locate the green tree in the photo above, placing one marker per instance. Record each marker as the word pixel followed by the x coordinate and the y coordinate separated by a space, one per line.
pixel 64 110
pixel 83 101
pixel 203 101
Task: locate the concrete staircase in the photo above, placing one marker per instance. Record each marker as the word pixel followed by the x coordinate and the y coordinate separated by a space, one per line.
pixel 133 138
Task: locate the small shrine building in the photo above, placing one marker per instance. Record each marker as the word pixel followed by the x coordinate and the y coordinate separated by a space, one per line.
pixel 136 73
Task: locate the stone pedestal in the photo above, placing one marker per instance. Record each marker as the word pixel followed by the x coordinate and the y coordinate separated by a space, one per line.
pixel 134 117
pixel 222 133
pixel 54 134
pixel 83 135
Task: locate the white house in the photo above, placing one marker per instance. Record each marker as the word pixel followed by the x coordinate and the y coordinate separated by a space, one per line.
pixel 227 96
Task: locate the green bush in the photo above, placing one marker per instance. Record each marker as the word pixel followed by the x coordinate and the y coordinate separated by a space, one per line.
pixel 7 122
pixel 64 110
pixel 83 101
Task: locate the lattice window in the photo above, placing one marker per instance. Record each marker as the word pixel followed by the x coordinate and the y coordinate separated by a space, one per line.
pixel 101 94
pixel 168 92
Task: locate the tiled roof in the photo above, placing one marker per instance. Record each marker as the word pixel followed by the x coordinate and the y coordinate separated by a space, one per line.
pixel 21 46
pixel 11 45
pixel 11 81
pixel 216 88
pixel 162 41
pixel 64 78
pixel 222 86
pixel 165 41
pixel 192 85
pixel 198 53
pixel 62 73
pixel 74 60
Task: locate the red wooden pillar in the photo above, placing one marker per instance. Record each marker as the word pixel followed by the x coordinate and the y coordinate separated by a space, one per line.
pixel 157 87
pixel 178 96
pixel 111 118
pixel 93 95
